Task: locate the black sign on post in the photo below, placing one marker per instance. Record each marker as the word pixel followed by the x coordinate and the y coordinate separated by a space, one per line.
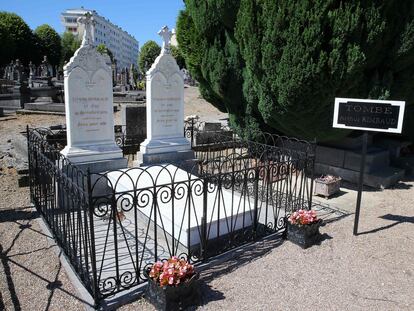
pixel 367 115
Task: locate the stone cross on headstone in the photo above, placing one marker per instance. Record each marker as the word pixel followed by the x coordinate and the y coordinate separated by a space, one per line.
pixel 166 35
pixel 88 22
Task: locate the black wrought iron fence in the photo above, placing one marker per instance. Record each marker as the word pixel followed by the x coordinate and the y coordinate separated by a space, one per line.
pixel 58 191
pixel 113 225
pixel 129 139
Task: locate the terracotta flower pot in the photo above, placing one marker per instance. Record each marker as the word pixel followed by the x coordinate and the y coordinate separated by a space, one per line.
pixel 327 188
pixel 305 235
pixel 179 297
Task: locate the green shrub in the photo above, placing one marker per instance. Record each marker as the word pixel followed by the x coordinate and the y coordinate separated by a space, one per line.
pixel 278 65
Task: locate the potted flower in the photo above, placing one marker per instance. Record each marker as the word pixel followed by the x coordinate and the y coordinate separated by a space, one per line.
pixel 172 284
pixel 303 228
pixel 327 185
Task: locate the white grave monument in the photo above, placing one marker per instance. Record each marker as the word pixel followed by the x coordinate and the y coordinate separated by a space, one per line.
pixel 89 108
pixel 236 210
pixel 165 141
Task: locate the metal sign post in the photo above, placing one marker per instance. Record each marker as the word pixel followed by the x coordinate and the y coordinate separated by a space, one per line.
pixel 368 115
pixel 361 181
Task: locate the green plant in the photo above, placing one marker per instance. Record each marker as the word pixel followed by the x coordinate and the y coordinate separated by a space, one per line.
pixel 101 48
pixel 278 65
pixel 149 52
pixel 69 44
pixel 178 55
pixel 49 43
pixel 141 85
pixel 17 40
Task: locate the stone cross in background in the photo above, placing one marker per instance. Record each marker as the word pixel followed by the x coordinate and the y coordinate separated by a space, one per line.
pixel 10 71
pixel 131 77
pixel 45 68
pixel 18 71
pixel 166 35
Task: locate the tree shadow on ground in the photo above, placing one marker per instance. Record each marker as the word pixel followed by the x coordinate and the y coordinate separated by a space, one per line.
pixel 398 219
pixel 231 261
pixel 12 215
pixel 210 294
pixel 237 258
pixel 322 238
pixel 401 185
pixel 329 213
pixel 206 295
pixel 335 195
pixel 351 186
pixel 23 218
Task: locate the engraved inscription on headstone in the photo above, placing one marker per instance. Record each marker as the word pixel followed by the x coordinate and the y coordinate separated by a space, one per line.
pixel 370 115
pixel 91 115
pixel 167 111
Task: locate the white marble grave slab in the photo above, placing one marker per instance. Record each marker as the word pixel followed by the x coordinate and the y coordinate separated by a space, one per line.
pixel 236 211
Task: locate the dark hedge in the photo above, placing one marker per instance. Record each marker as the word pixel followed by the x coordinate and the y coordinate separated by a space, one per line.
pixel 278 65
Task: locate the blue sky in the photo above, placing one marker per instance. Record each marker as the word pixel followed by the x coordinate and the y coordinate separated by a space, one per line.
pixel 141 18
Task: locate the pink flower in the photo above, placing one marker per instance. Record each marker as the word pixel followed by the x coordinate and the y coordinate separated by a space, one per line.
pixel 171 272
pixel 303 217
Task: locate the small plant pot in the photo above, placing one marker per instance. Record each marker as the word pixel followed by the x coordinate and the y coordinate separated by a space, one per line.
pixel 173 298
pixel 304 236
pixel 327 189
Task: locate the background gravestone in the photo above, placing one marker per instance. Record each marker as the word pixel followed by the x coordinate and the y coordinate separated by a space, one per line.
pixel 89 108
pixel 134 122
pixel 165 141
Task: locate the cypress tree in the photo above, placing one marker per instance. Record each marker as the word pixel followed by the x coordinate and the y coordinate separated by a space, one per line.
pixel 278 65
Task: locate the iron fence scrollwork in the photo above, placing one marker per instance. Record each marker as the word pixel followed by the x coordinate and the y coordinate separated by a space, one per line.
pixel 113 225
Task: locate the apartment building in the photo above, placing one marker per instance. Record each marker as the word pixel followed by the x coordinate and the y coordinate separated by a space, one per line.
pixel 123 45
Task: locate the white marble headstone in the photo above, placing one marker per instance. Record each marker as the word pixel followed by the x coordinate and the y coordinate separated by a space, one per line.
pixel 165 103
pixel 89 104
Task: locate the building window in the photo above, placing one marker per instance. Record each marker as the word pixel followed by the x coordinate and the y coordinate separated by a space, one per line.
pixel 71 20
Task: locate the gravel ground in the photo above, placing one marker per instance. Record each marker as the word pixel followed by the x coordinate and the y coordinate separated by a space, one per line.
pixel 372 271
